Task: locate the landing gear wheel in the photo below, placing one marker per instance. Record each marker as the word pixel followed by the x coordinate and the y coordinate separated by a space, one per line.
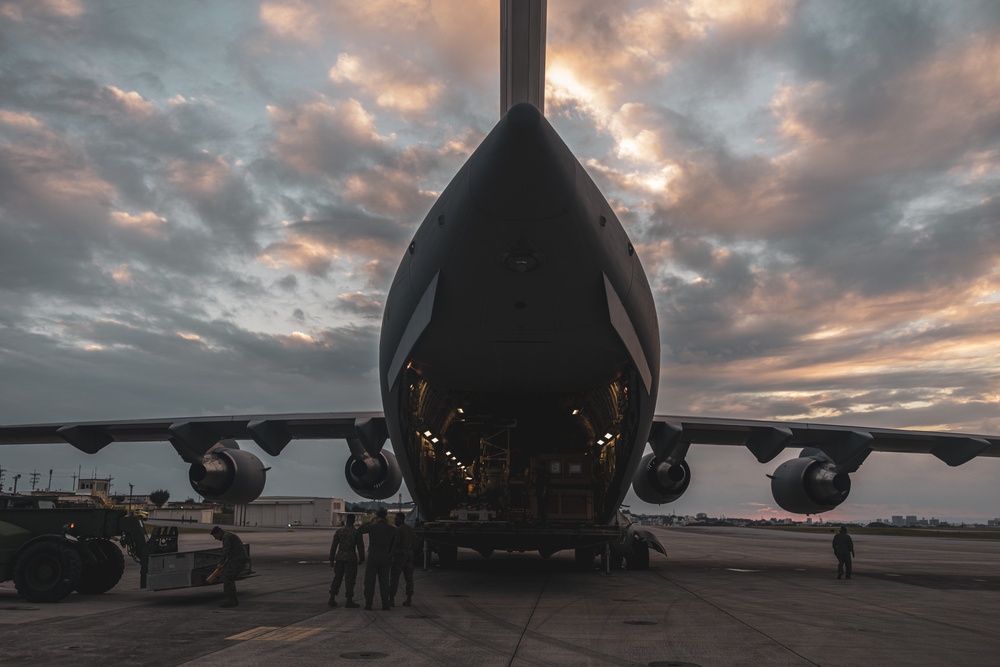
pixel 103 574
pixel 639 560
pixel 584 558
pixel 47 571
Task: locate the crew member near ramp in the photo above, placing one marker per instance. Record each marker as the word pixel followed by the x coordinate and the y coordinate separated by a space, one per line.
pixel 234 560
pixel 401 561
pixel 346 553
pixel 843 548
pixel 382 537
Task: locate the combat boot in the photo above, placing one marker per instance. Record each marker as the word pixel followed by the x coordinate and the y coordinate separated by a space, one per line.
pixel 332 602
pixel 351 604
pixel 231 601
pixel 408 601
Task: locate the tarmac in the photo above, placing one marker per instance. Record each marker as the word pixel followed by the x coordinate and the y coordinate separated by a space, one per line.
pixel 724 596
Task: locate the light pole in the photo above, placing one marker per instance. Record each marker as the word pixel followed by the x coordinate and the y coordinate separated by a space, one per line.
pixel 129 498
pixel 16 477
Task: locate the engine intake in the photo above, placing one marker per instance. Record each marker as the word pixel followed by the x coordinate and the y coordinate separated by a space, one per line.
pixel 809 485
pixel 659 481
pixel 229 475
pixel 374 477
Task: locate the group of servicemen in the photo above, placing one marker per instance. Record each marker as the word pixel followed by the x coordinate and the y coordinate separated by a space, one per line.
pixel 390 553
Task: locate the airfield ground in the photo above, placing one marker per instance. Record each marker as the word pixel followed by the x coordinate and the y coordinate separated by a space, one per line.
pixel 725 596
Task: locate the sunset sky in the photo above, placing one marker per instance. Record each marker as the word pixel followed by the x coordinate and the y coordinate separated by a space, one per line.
pixel 202 205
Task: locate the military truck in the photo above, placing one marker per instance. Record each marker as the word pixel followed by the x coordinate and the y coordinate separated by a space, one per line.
pixel 49 551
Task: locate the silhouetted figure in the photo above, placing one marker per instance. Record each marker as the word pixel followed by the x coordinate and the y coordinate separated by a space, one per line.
pixel 843 548
pixel 542 493
pixel 234 560
pixel 346 553
pixel 381 538
pixel 401 561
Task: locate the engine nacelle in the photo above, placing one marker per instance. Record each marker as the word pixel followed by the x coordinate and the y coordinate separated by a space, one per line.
pixel 229 475
pixel 659 481
pixel 374 477
pixel 809 485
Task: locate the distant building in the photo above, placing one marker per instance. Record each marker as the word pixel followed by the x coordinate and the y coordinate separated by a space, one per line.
pixel 292 511
pixel 911 519
pixel 897 520
pixel 182 514
pixel 93 487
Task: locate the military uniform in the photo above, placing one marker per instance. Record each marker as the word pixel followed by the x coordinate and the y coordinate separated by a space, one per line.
pixel 401 561
pixel 381 538
pixel 234 556
pixel 843 548
pixel 347 550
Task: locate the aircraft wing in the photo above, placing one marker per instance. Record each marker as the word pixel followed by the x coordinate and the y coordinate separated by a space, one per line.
pixel 846 445
pixel 192 437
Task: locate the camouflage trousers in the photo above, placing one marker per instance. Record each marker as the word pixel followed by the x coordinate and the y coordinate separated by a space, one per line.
pixel 344 571
pixel 230 573
pixel 406 568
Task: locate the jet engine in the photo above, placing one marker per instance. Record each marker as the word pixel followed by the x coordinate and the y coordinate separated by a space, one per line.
pixel 809 484
pixel 374 477
pixel 228 474
pixel 660 481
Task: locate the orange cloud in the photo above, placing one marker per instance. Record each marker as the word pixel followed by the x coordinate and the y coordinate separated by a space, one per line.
pixel 400 85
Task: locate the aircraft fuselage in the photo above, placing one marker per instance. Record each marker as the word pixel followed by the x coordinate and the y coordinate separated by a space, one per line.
pixel 519 355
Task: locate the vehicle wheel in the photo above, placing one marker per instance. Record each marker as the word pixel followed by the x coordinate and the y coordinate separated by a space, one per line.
pixel 105 572
pixel 47 571
pixel 447 554
pixel 639 560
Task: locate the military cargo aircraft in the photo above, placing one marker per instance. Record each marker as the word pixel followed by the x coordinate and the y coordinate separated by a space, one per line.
pixel 519 364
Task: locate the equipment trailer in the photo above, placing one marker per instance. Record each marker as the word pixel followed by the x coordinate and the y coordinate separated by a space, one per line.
pixel 49 552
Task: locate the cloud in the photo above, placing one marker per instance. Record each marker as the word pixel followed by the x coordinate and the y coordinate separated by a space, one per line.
pixel 359 303
pixel 41 11
pixel 134 105
pixel 395 83
pixel 321 139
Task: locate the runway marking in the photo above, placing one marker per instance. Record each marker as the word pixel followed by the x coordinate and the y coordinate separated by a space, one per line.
pixel 267 633
pixel 736 569
pixel 890 574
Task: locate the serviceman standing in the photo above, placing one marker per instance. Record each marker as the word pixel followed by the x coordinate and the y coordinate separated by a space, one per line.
pixel 234 560
pixel 346 553
pixel 843 548
pixel 401 561
pixel 381 538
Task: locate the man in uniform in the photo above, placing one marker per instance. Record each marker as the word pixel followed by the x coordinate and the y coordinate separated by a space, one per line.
pixel 234 560
pixel 401 560
pixel 382 537
pixel 346 553
pixel 843 548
